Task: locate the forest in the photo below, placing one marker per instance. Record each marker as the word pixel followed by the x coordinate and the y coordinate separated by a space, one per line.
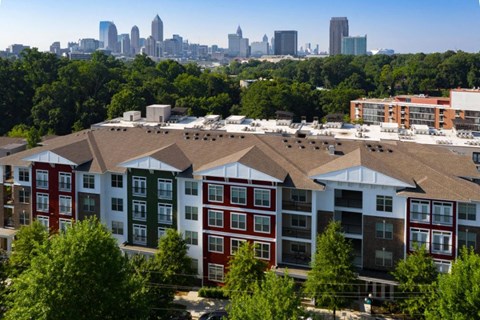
pixel 41 93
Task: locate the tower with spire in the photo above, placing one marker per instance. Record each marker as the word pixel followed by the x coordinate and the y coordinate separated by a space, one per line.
pixel 239 32
pixel 157 28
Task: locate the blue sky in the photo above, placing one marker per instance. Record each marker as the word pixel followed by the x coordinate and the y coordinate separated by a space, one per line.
pixel 403 25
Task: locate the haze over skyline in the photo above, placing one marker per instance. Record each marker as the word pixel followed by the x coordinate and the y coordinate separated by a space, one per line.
pixel 405 26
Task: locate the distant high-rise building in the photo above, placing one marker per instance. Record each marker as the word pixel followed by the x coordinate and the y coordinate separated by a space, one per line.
pixel 286 43
pixel 354 45
pixel 239 32
pixel 265 38
pixel 125 45
pixel 259 49
pixel 338 30
pixel 135 40
pixel 157 28
pixel 103 33
pixel 89 45
pixel 151 47
pixel 55 48
pixel 234 44
pixel 112 39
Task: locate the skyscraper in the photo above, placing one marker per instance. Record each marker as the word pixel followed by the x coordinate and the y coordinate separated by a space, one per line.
pixel 286 43
pixel 354 45
pixel 237 45
pixel 239 32
pixel 157 28
pixel 112 38
pixel 135 40
pixel 103 33
pixel 125 46
pixel 338 30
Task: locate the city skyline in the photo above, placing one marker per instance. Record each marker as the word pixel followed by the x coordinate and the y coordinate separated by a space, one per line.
pixel 409 26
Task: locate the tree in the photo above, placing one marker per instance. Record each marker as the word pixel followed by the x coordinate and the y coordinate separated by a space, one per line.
pixel 330 282
pixel 458 293
pixel 274 298
pixel 82 275
pixel 416 276
pixel 29 242
pixel 244 270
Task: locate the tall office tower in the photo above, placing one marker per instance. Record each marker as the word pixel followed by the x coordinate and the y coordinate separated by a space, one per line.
pixel 89 45
pixel 354 45
pixel 272 46
pixel 239 32
pixel 125 45
pixel 244 48
pixel 135 40
pixel 55 48
pixel 286 43
pixel 234 40
pixel 112 39
pixel 265 38
pixel 103 33
pixel 157 29
pixel 151 47
pixel 338 30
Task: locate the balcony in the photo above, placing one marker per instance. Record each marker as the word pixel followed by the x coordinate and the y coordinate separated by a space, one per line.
pixel 420 216
pixel 165 194
pixel 296 253
pixel 65 210
pixel 139 215
pixel 8 218
pixel 351 222
pixel 348 199
pixel 64 186
pixel 296 206
pixel 297 200
pixel 138 239
pixel 442 219
pixel 42 184
pixel 297 226
pixel 138 191
pixel 297 233
pixel 165 218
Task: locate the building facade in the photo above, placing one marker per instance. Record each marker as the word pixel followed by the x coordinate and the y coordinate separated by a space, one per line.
pixel 286 43
pixel 338 30
pixel 356 46
pixel 157 29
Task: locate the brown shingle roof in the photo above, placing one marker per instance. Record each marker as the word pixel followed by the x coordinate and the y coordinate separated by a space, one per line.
pixel 171 155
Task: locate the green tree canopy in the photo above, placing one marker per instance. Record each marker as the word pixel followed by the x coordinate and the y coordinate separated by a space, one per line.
pixel 244 270
pixel 330 282
pixel 274 298
pixel 82 275
pixel 416 276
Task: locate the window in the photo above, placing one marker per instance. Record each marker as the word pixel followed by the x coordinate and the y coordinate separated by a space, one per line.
pixel 89 181
pixel 467 211
pixel 476 157
pixel 420 210
pixel 235 244
pixel 139 210
pixel 117 228
pixel 23 174
pixel 195 266
pixel 442 242
pixel 262 250
pixel 117 204
pixel 442 213
pixel 238 195
pixel 117 181
pixel 262 224
pixel 384 203
pixel 238 221
pixel 65 205
pixel 468 239
pixel 42 179
pixel 442 266
pixel 64 181
pixel 298 247
pixel 262 197
pixel 191 237
pixel 383 230
pixel 42 202
pixel 298 221
pixel 165 189
pixel 64 224
pixel 161 232
pixel 215 218
pixel 298 195
pixel 215 272
pixel 139 234
pixel 215 244
pixel 191 188
pixel 24 196
pixel 139 186
pixel 89 204
pixel 191 213
pixel 383 258
pixel 44 221
pixel 24 218
pixel 215 193
pixel 419 237
pixel 165 213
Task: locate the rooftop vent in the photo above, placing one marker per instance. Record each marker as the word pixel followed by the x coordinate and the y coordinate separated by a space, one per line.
pixel 331 149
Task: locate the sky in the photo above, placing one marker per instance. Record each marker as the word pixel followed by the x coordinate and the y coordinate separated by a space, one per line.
pixel 403 25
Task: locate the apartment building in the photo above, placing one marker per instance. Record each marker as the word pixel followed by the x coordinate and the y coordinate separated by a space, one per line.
pixel 277 190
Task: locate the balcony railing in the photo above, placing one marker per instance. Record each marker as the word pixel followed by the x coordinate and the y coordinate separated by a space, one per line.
pixel 165 218
pixel 138 191
pixel 419 216
pixel 42 207
pixel 63 186
pixel 65 210
pixel 43 184
pixel 441 248
pixel 297 206
pixel 351 228
pixel 8 222
pixel 348 203
pixel 293 232
pixel 140 215
pixel 137 239
pixel 296 258
pixel 165 194
pixel 442 219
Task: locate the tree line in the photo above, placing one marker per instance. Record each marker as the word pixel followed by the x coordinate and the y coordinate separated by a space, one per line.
pixel 41 93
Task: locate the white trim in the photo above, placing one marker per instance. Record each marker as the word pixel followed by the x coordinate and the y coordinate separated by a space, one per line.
pixel 269 250
pixel 50 157
pixel 216 237
pixel 242 236
pixel 269 197
pixel 266 186
pixel 269 224
pixel 148 163
pixel 246 210
pixel 216 265
pixel 215 186
pixel 239 214
pixel 239 188
pixel 217 211
pixel 231 245
pixel 236 170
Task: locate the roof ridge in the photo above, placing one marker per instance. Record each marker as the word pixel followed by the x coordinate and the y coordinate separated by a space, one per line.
pixel 97 155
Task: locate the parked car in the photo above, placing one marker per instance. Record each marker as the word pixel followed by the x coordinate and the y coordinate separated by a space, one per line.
pixel 180 315
pixel 215 315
